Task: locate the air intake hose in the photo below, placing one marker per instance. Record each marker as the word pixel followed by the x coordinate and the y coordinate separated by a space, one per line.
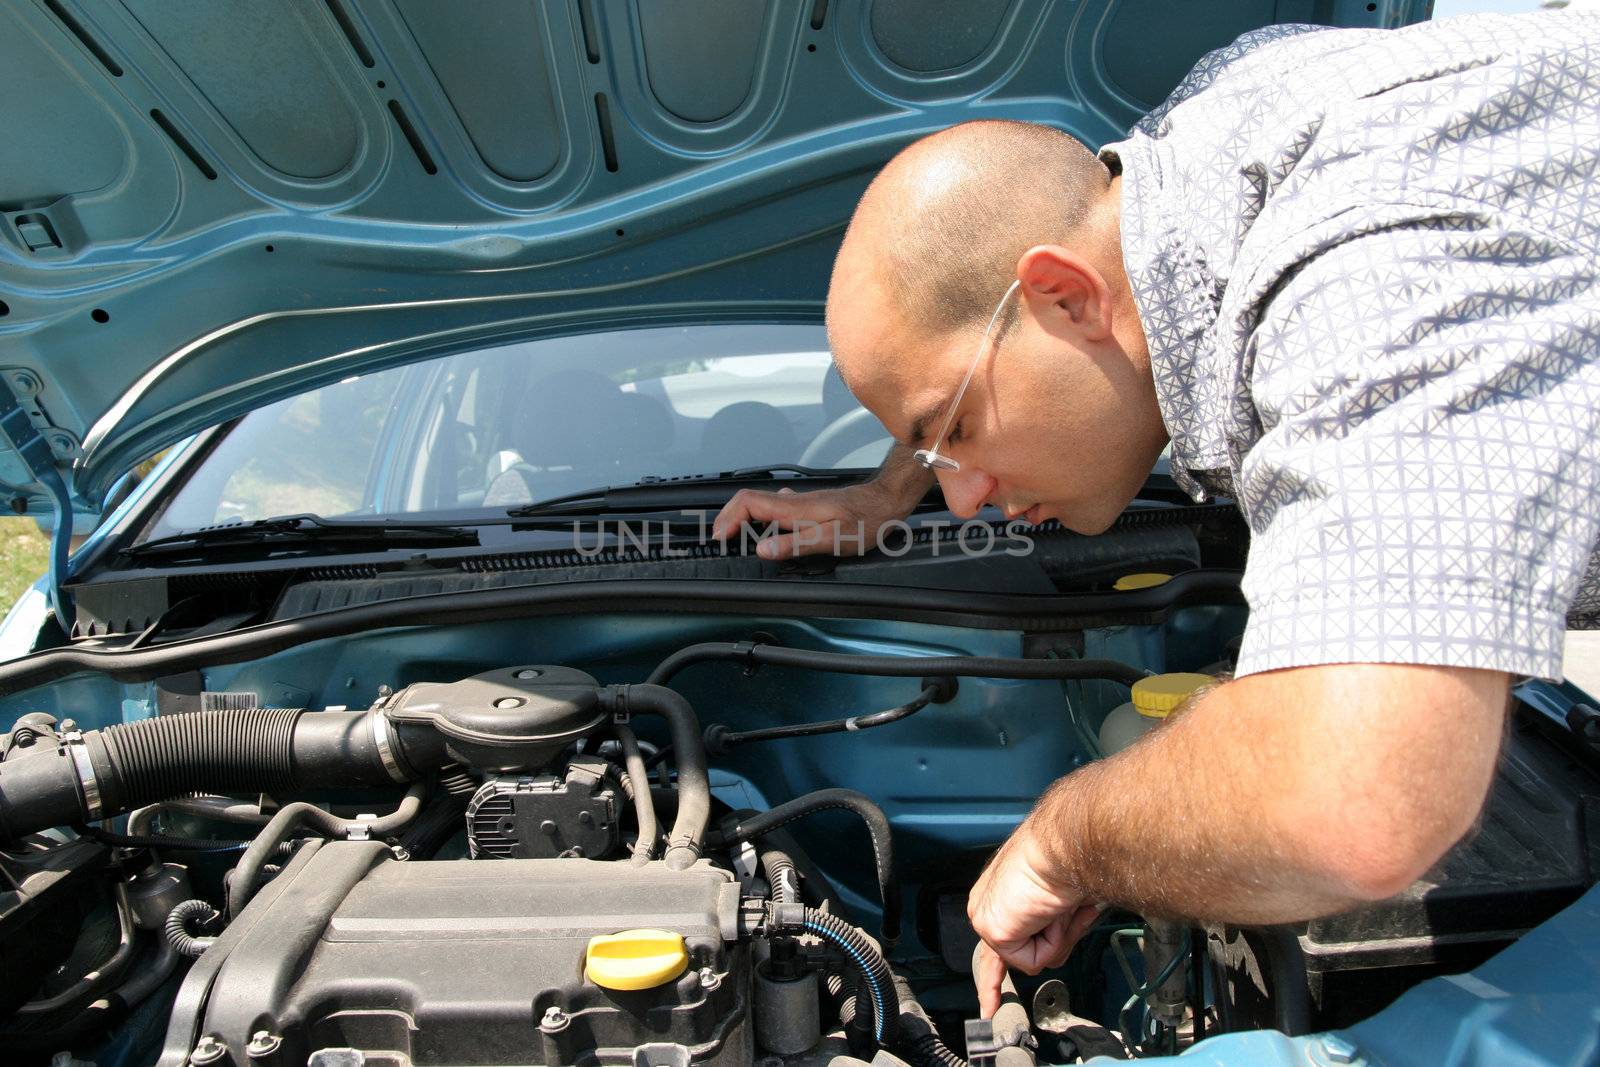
pixel 103 773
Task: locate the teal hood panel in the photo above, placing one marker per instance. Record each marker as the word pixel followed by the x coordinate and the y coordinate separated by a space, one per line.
pixel 211 205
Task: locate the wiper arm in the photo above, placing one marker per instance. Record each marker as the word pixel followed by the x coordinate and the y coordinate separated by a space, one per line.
pixel 308 530
pixel 686 491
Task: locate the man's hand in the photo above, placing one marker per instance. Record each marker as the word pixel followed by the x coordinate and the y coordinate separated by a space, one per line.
pixel 838 521
pixel 1023 919
pixel 1305 791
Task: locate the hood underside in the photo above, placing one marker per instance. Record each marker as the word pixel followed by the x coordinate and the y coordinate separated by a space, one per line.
pixel 209 206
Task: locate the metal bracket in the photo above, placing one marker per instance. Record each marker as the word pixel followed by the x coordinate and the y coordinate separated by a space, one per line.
pixel 26 387
pixel 745 864
pixel 40 446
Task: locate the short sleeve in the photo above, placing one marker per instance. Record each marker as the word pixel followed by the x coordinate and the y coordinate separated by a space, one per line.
pixel 1424 483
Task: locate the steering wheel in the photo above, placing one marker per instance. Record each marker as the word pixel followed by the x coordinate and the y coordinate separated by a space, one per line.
pixel 844 435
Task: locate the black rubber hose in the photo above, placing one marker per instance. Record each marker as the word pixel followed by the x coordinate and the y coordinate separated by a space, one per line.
pixel 246 877
pixel 221 809
pixel 198 844
pixel 184 943
pixel 442 817
pixel 644 808
pixel 920 1042
pixel 868 961
pixel 894 666
pixel 251 750
pixel 687 837
pixel 719 738
pixel 100 1014
pixel 814 886
pixel 747 829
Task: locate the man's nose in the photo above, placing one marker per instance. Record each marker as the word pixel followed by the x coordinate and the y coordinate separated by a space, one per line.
pixel 966 490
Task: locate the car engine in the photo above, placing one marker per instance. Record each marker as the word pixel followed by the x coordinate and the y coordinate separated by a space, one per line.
pixel 566 878
pixel 484 963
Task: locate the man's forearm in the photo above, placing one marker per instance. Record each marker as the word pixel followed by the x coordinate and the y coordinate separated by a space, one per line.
pixel 1254 807
pixel 902 479
pixel 1176 827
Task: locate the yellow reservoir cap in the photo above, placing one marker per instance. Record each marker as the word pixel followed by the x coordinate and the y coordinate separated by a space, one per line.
pixel 1147 580
pixel 1158 695
pixel 635 959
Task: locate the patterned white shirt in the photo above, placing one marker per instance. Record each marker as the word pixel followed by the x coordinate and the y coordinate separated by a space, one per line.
pixel 1368 266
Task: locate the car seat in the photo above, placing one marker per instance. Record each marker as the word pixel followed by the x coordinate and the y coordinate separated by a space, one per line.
pixel 570 434
pixel 747 434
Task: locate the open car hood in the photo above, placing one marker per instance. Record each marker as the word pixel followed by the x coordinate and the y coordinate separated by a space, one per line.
pixel 210 206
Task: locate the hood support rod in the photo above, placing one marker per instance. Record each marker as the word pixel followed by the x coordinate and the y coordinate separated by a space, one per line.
pixel 33 449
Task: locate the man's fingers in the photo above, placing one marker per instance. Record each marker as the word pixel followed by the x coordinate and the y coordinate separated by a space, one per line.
pixel 988 973
pixel 1082 921
pixel 811 521
pixel 750 505
pixel 1053 945
pixel 1071 930
pixel 1050 945
pixel 1046 948
pixel 809 538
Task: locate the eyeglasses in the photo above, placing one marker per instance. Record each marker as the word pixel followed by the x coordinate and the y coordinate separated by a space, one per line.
pixel 930 457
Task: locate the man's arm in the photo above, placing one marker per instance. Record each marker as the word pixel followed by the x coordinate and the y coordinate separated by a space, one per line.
pixel 820 520
pixel 1274 798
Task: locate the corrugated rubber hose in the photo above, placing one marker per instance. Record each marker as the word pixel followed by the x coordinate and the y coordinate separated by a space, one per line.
pixel 188 912
pixel 103 773
pixel 867 960
pixel 249 750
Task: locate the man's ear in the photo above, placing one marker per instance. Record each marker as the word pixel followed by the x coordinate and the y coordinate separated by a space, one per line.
pixel 1061 278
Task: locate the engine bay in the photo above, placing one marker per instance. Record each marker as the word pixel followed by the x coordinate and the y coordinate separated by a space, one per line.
pixel 668 839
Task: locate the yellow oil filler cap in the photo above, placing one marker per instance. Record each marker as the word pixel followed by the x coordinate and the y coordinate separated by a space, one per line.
pixel 1157 696
pixel 1147 580
pixel 635 959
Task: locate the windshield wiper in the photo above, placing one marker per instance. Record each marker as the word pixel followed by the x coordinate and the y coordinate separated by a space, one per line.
pixel 308 530
pixel 686 491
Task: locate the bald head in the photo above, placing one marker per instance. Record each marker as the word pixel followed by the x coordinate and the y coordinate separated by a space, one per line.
pixel 1061 418
pixel 940 230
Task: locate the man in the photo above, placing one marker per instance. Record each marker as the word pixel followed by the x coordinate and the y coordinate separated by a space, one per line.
pixel 1353 277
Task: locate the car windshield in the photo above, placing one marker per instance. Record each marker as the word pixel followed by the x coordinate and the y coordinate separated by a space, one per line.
pixel 515 424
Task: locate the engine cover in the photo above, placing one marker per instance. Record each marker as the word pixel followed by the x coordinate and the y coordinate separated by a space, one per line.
pixel 455 962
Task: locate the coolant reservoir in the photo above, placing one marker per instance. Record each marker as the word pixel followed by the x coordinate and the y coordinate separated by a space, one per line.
pixel 1154 698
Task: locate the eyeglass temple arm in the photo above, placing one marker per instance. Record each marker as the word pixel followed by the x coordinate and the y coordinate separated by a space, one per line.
pixel 972 368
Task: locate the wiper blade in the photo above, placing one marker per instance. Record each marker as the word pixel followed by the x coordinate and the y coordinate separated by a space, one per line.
pixel 686 491
pixel 309 530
